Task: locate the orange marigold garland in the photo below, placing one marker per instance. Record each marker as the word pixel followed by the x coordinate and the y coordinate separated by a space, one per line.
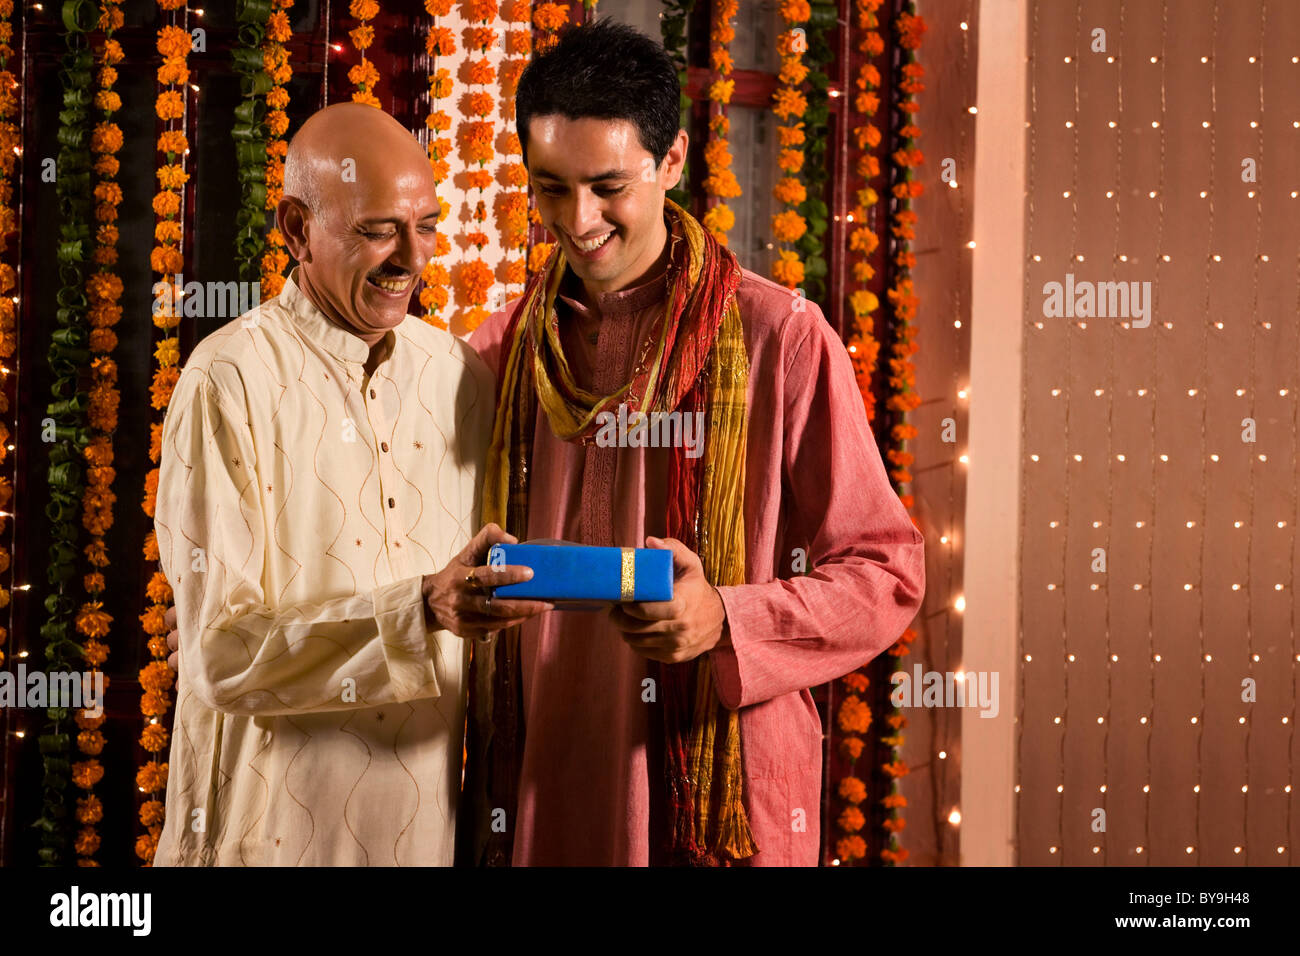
pixel 364 75
pixel 721 182
pixel 512 204
pixel 439 42
pixel 10 148
pixel 475 277
pixel 863 241
pixel 168 261
pixel 103 292
pixel 788 103
pixel 275 61
pixel 549 18
pixel 902 373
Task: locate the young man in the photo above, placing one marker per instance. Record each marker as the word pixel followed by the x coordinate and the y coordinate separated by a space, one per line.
pixel 679 732
pixel 321 459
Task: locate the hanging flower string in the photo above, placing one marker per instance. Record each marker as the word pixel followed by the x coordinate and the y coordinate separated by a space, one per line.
pixel 721 182
pixel 863 242
pixel 512 206
pixel 549 18
pixel 68 436
pixel 476 134
pixel 440 42
pixel 103 294
pixel 902 373
pixel 789 102
pixel 275 62
pixel 166 260
pixel 854 716
pixel 10 150
pixel 364 75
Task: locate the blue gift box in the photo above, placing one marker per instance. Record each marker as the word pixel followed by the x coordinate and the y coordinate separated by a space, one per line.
pixel 575 572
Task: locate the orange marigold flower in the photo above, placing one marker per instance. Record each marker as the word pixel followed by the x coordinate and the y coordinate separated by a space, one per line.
pixel 480 71
pixel 89 809
pixel 441 41
pixel 277 27
pixel 152 813
pixel 173 41
pixel 851 747
pixel 153 738
pixel 479 38
pixel 853 790
pixel 87 773
pixel 169 105
pixel 172 176
pixel 790 191
pixel 788 226
pixel 788 269
pixel 538 256
pixel 856 682
pixel 850 848
pixel 90 742
pixel 152 777
pixel 791 160
pixel 792 135
pixel 92 620
pixel 851 820
pixel 362 36
pixel 166 204
pixel 550 16
pixel 171 141
pixel 146 846
pixel 164 381
pixel 87 839
pixel 789 103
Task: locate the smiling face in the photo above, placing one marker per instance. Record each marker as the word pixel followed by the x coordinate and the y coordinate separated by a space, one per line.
pixel 600 194
pixel 366 255
pixel 360 257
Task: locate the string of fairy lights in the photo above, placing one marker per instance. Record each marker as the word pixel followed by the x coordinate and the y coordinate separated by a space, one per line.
pixel 1118 125
pixel 1256 262
pixel 1197 847
pixel 1030 207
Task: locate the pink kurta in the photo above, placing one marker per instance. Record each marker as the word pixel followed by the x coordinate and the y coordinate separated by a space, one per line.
pixel 814 481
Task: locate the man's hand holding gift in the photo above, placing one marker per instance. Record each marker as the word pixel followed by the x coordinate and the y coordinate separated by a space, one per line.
pixel 691 624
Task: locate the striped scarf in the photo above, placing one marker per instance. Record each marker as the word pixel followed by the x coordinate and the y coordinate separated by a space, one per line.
pixel 699 363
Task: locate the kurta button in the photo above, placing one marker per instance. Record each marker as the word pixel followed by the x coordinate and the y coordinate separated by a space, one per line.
pixel 391 503
pixel 372 393
pixel 384 445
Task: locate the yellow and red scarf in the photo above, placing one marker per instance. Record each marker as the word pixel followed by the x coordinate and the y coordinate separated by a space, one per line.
pixel 698 363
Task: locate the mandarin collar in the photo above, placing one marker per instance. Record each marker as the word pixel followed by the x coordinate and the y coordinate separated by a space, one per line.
pixel 632 299
pixel 345 346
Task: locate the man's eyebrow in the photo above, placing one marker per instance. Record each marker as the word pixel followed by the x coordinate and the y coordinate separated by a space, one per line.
pixel 394 219
pixel 611 174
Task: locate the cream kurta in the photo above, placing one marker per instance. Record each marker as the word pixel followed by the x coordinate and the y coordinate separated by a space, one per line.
pixel 300 502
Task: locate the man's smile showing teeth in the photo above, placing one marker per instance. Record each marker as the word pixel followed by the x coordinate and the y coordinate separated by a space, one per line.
pixel 390 285
pixel 593 244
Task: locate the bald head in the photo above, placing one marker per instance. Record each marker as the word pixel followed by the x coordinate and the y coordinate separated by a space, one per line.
pixel 360 215
pixel 345 145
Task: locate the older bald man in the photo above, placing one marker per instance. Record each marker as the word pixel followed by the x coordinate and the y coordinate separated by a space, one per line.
pixel 321 462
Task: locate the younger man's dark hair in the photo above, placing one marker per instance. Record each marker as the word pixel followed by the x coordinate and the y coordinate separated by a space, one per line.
pixel 606 70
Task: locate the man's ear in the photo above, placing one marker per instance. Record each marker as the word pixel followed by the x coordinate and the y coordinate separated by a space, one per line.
pixel 674 161
pixel 291 218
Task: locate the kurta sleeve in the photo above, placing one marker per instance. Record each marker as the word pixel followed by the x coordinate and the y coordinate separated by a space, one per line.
pixel 238 654
pixel 865 561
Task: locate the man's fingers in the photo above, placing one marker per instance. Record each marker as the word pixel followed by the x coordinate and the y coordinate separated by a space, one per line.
pixel 476 551
pixel 174 640
pixel 502 608
pixel 170 616
pixel 174 662
pixel 487 577
pixel 628 624
pixel 649 610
